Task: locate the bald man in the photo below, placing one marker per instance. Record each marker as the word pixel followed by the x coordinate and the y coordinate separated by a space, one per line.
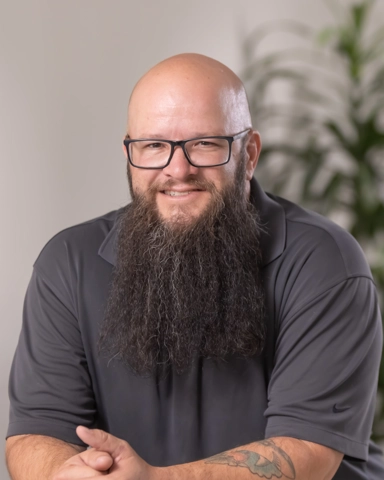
pixel 205 330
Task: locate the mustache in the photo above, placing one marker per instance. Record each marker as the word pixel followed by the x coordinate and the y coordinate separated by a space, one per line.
pixel 198 184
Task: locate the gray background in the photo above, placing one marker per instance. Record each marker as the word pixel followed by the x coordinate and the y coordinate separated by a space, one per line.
pixel 66 71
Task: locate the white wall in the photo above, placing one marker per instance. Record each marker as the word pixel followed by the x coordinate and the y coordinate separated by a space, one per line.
pixel 66 71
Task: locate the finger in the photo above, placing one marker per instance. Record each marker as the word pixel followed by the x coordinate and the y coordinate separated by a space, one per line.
pixel 75 472
pixel 101 461
pixel 104 441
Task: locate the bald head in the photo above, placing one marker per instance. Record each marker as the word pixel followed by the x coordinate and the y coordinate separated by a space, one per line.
pixel 188 94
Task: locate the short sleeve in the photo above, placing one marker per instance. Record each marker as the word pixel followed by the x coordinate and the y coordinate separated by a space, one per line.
pixel 50 387
pixel 323 384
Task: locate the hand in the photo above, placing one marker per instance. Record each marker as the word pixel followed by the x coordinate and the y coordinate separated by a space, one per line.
pixel 88 464
pixel 127 465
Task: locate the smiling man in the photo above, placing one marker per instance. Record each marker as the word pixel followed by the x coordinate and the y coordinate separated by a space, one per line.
pixel 207 329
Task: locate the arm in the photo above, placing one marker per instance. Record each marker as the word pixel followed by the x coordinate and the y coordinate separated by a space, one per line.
pixel 50 386
pixel 279 457
pixel 38 457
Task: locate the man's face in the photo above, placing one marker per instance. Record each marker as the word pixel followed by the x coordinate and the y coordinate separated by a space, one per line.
pixel 181 191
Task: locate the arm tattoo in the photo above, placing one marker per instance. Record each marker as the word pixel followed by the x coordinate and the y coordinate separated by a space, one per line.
pixel 280 465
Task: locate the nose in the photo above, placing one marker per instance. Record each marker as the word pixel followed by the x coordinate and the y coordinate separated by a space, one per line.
pixel 179 167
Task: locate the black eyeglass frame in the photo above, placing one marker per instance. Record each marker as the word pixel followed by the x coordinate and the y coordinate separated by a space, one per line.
pixel 181 143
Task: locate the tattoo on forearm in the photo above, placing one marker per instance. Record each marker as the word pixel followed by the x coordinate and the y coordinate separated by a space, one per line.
pixel 278 465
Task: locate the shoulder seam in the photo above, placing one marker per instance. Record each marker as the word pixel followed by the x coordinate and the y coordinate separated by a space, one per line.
pixel 330 235
pixel 305 305
pixel 55 290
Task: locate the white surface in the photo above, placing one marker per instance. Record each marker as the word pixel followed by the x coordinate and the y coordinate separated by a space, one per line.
pixel 66 72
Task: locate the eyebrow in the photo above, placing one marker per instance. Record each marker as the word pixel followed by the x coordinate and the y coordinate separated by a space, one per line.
pixel 161 137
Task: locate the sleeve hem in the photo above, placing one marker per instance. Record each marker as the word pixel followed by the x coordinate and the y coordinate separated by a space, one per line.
pixel 61 432
pixel 338 442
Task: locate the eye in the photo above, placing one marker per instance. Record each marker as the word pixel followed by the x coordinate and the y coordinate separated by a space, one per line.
pixel 154 145
pixel 205 143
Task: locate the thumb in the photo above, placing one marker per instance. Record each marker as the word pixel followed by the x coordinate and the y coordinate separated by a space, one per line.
pixel 104 441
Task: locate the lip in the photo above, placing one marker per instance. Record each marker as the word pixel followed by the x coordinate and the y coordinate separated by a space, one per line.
pixel 180 193
pixel 181 189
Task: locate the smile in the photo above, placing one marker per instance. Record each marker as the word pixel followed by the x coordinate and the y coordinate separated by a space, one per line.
pixel 173 193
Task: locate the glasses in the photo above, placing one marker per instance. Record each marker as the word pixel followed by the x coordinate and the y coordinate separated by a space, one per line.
pixel 154 153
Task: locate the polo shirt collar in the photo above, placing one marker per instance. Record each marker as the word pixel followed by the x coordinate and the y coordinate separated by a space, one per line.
pixel 107 249
pixel 272 220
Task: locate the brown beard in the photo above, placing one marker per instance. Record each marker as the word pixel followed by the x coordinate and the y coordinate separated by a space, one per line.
pixel 183 291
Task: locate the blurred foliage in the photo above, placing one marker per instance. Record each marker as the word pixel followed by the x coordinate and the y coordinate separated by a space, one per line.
pixel 320 109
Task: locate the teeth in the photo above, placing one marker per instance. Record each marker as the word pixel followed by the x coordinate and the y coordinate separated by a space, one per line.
pixel 176 194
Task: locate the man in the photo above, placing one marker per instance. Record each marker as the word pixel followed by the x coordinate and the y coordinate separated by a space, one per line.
pixel 207 330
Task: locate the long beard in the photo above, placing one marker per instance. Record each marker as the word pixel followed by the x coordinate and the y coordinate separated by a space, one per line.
pixel 182 290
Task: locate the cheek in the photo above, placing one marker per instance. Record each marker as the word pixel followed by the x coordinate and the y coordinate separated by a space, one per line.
pixel 222 176
pixel 141 180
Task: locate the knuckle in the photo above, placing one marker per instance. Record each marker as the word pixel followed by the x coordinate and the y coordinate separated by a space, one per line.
pixel 104 436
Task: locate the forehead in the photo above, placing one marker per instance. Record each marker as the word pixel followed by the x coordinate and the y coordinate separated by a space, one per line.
pixel 182 106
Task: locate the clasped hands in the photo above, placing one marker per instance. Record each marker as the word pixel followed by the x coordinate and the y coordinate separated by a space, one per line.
pixel 108 456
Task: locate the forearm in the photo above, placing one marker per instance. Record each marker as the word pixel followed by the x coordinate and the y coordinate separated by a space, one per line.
pixel 280 457
pixel 37 457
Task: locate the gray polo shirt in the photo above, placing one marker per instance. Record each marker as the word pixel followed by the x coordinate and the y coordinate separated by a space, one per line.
pixel 316 379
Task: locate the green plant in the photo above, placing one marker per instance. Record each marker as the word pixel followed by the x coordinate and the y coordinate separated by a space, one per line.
pixel 320 109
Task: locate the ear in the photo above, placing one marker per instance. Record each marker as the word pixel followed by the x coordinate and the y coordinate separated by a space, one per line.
pixel 253 150
pixel 124 149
